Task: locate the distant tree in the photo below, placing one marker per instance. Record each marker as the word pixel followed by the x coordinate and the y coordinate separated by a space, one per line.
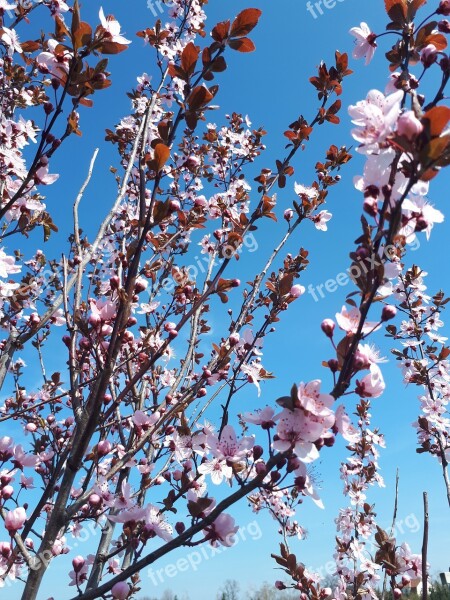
pixel 229 591
pixel 440 592
pixel 269 592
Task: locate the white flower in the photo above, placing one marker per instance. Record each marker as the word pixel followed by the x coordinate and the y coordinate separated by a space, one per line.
pixel 364 43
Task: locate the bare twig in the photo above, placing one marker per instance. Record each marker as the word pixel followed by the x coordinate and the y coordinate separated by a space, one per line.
pixel 425 548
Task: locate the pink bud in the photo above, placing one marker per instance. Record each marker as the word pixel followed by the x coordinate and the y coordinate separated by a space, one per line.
pixel 328 326
pixel 388 312
pixel 280 585
pixel 78 563
pixel 428 55
pixel 444 8
pixel 94 320
pixel 95 500
pixel 104 447
pixel 15 519
pixel 7 492
pixel 5 549
pixel 397 593
pixel 174 205
pixel 120 591
pixel 31 427
pixel 297 290
pixel 234 339
pixel 288 214
pixel 409 125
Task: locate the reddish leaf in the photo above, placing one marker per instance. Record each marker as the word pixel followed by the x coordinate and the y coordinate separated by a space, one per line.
pixel 86 102
pixel 438 117
pixel 242 45
pixel 61 30
pixel 75 18
pixel 189 59
pixel 397 11
pixel 30 46
pixel 200 96
pixel 162 153
pixel 245 22
pixel 82 35
pixel 220 31
pixel 112 48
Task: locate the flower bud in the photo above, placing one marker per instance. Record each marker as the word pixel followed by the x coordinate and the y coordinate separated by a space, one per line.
pixel 120 591
pixel 78 563
pixel 428 55
pixel 328 326
pixel 104 447
pixel 409 126
pixel 288 214
pixel 7 492
pixel 389 312
pixel 180 527
pixel 234 339
pixel 297 290
pixel 444 8
pixel 258 451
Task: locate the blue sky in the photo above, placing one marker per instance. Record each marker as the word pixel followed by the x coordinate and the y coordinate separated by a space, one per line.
pixel 272 87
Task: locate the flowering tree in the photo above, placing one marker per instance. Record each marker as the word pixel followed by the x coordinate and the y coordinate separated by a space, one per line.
pixel 127 420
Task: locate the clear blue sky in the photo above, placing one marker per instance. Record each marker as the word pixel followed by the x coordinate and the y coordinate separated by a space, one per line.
pixel 272 86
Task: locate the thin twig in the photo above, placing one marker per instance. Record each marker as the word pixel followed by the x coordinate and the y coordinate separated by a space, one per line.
pixel 425 548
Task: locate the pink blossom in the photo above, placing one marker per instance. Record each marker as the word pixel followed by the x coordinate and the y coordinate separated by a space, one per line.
pixel 112 28
pixel 156 523
pixel 253 372
pixel 11 40
pixel 101 311
pixel 298 431
pixel 142 421
pixel 15 519
pixel 263 417
pixel 217 468
pixel 21 459
pixel 372 385
pixel 222 531
pixel 321 219
pixel 229 448
pixel 43 177
pixel 365 43
pixel 421 214
pixel 297 290
pixel 348 320
pixel 307 487
pixel 409 125
pixel 124 500
pixel 8 265
pixel 376 118
pixel 428 56
pixel 444 8
pixel 310 193
pixel 120 590
pixel 344 425
pixel 126 516
pixel 56 60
